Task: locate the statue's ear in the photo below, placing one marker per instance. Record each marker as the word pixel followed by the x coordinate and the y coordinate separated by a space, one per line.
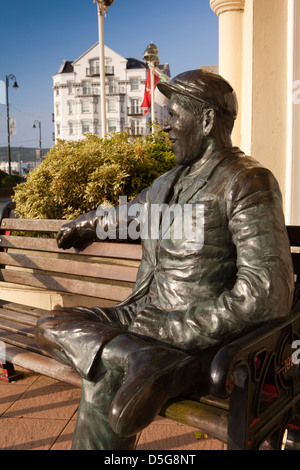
pixel 208 120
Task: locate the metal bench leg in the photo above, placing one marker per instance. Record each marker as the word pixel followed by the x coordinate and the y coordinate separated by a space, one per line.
pixel 8 373
pixel 238 416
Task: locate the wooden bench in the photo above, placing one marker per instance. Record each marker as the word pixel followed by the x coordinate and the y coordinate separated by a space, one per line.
pixel 255 386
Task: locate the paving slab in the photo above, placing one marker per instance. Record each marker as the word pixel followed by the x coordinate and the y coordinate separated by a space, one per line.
pixel 29 434
pixel 46 398
pixel 39 413
pixel 168 435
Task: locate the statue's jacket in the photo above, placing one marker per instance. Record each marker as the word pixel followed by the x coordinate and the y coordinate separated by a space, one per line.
pixel 192 292
pixel 237 273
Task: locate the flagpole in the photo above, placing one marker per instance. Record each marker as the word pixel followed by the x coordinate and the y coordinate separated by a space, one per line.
pixel 102 68
pixel 152 68
pixel 102 8
pixel 150 57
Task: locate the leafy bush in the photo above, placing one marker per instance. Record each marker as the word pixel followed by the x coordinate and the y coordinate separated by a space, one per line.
pixel 10 180
pixel 2 175
pixel 76 177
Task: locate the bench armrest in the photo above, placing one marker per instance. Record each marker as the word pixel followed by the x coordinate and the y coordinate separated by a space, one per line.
pixel 242 352
pixel 259 372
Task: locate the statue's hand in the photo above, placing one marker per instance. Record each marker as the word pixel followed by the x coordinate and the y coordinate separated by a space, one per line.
pixel 77 233
pixel 67 235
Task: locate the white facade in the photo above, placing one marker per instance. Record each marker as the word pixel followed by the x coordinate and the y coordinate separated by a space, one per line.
pixel 77 97
pixel 19 167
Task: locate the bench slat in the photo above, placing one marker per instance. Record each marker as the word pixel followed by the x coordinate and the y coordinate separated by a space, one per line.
pixel 103 249
pixel 21 341
pixel 105 271
pixel 42 365
pixel 32 311
pixel 56 283
pixel 210 419
pixel 22 318
pixel 15 327
pixel 33 225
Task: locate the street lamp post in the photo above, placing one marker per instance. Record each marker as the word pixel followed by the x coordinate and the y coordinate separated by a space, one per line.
pixel 102 9
pixel 40 135
pixel 152 60
pixel 15 85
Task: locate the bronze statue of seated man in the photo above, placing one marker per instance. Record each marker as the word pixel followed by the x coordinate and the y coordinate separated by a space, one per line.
pixel 192 294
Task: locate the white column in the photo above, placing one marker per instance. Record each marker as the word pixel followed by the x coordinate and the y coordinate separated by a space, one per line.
pixel 292 194
pixel 258 49
pixel 230 13
pixel 290 111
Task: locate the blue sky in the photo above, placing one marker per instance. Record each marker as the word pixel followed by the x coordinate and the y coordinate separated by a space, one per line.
pixel 37 35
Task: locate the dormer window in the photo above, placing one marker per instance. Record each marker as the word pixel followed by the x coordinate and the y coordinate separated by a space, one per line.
pixel 94 67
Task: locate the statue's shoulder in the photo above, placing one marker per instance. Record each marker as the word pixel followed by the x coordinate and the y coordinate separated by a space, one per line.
pixel 246 173
pixel 242 163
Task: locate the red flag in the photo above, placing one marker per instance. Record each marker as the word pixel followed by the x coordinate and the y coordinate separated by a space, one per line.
pixel 147 95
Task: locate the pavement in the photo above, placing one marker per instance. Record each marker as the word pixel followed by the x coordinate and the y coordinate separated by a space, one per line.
pixel 39 413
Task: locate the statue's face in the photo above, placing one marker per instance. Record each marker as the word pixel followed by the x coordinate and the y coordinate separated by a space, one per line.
pixel 185 132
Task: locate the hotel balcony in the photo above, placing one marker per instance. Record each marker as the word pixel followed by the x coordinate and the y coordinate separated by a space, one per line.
pixel 134 111
pixel 95 71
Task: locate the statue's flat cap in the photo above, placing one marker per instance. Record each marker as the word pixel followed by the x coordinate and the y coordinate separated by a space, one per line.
pixel 204 86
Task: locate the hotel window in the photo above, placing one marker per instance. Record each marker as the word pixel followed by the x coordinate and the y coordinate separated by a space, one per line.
pixel 135 127
pixel 94 67
pixel 70 88
pixel 112 125
pixel 109 69
pixel 86 88
pixel 85 126
pixel 71 128
pixel 85 106
pixel 113 86
pixel 134 84
pixel 134 106
pixel 71 107
pixel 111 105
pixel 57 129
pixel 57 108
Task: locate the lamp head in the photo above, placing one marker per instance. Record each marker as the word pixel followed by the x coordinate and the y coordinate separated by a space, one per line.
pixel 150 54
pixel 108 3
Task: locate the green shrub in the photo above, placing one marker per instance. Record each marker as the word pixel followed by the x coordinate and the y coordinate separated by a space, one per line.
pixel 76 177
pixel 2 175
pixel 10 180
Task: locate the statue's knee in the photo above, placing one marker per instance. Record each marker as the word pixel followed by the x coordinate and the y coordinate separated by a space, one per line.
pixel 48 322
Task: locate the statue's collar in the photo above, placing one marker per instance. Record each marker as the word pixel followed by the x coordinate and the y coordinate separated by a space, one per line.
pixel 191 179
pixel 204 167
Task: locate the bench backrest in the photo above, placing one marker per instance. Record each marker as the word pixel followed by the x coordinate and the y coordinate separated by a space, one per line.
pixel 32 258
pixel 103 270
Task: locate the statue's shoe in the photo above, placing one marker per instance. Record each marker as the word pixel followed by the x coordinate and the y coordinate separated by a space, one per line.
pixel 154 375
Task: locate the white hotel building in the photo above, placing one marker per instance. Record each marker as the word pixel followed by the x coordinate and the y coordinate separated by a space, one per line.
pixel 76 87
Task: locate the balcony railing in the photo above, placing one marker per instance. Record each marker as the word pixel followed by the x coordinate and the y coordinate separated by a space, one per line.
pixel 95 71
pixel 134 111
pixel 115 90
pixel 94 92
pixel 86 92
